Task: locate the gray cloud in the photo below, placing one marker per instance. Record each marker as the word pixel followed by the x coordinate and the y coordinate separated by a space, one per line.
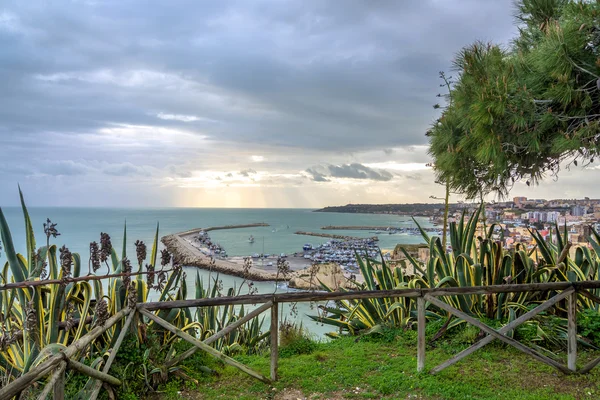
pixel 352 171
pixel 300 82
pixel 247 172
pixel 179 171
pixel 65 168
pixel 329 72
pixel 414 177
pixel 316 175
pixel 125 169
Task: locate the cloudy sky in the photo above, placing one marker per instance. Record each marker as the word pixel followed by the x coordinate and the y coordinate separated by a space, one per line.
pixel 266 103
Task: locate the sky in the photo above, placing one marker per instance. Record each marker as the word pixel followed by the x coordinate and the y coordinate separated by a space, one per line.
pixel 264 103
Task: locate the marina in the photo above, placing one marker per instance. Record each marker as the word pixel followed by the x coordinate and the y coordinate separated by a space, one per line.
pixel 196 248
pixel 391 230
pixel 343 252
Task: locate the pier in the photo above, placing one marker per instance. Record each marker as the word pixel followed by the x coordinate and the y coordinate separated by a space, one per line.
pixel 358 228
pixel 217 228
pixel 185 253
pixel 333 236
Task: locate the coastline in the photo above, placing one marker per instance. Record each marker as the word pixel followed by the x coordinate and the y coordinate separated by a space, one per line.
pixel 186 254
pixel 304 275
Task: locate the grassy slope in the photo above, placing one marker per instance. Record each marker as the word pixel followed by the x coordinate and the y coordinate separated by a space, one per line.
pixel 387 369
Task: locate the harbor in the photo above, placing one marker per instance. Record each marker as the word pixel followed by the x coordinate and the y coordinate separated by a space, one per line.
pixel 332 236
pixel 391 230
pixel 195 248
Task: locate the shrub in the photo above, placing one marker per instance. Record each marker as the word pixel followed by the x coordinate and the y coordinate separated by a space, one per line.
pixel 588 322
pixel 294 340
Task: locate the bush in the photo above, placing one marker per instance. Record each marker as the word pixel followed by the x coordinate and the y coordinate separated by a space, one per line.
pixel 466 335
pixel 294 340
pixel 588 325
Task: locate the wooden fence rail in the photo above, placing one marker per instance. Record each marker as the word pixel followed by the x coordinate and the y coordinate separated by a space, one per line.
pixel 568 291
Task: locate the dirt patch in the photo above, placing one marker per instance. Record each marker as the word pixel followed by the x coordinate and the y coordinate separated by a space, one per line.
pixel 294 394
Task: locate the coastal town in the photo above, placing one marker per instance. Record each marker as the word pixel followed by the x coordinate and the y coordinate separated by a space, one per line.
pixel 513 218
pixel 512 223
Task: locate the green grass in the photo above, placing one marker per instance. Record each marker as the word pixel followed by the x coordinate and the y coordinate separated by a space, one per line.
pixel 386 368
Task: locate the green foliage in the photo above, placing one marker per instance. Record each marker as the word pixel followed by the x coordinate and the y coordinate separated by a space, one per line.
pixel 467 335
pixel 518 112
pixel 588 325
pixel 387 370
pixel 474 261
pixel 37 322
pixel 294 340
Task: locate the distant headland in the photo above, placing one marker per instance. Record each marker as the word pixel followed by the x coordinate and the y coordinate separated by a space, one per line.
pixel 423 209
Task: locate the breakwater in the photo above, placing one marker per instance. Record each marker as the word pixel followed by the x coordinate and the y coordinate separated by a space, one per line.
pixel 217 228
pixel 332 236
pixel 358 228
pixel 186 254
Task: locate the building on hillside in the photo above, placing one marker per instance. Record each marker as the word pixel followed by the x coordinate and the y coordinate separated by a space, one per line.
pixel 493 215
pixel 578 211
pixel 552 216
pixel 519 201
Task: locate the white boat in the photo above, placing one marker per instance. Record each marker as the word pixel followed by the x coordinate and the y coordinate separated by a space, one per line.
pixel 251 239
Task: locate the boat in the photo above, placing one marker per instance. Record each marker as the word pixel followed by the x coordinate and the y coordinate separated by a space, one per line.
pixel 251 239
pixel 307 247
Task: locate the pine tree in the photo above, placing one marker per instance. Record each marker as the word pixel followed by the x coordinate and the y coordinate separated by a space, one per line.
pixel 518 113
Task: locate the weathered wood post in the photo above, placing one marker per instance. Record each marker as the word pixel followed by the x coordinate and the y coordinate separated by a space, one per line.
pixel 420 333
pixel 274 340
pixel 59 385
pixel 572 331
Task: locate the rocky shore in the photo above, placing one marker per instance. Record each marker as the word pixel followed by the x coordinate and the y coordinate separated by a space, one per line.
pixel 330 274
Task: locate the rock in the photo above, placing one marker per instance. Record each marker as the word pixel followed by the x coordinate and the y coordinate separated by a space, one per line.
pixel 309 278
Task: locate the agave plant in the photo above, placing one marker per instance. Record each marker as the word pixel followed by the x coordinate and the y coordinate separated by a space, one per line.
pixel 370 315
pixel 211 319
pixel 36 322
pixel 37 319
pixel 474 260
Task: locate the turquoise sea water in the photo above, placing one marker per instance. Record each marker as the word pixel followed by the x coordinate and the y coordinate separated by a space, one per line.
pixel 80 226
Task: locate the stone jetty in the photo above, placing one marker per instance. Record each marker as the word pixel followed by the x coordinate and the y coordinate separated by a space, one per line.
pixel 185 253
pixel 332 236
pixel 358 228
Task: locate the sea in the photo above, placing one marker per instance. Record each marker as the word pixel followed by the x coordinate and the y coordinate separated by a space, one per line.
pixel 80 226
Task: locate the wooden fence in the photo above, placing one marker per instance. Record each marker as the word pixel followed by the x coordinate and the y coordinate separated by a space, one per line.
pixel 57 364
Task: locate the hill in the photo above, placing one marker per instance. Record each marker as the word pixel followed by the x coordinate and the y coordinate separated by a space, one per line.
pixel 412 209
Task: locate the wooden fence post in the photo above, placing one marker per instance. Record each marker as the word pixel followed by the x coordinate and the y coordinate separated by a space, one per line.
pixel 274 340
pixel 55 377
pixel 59 385
pixel 203 346
pixel 572 331
pixel 420 334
